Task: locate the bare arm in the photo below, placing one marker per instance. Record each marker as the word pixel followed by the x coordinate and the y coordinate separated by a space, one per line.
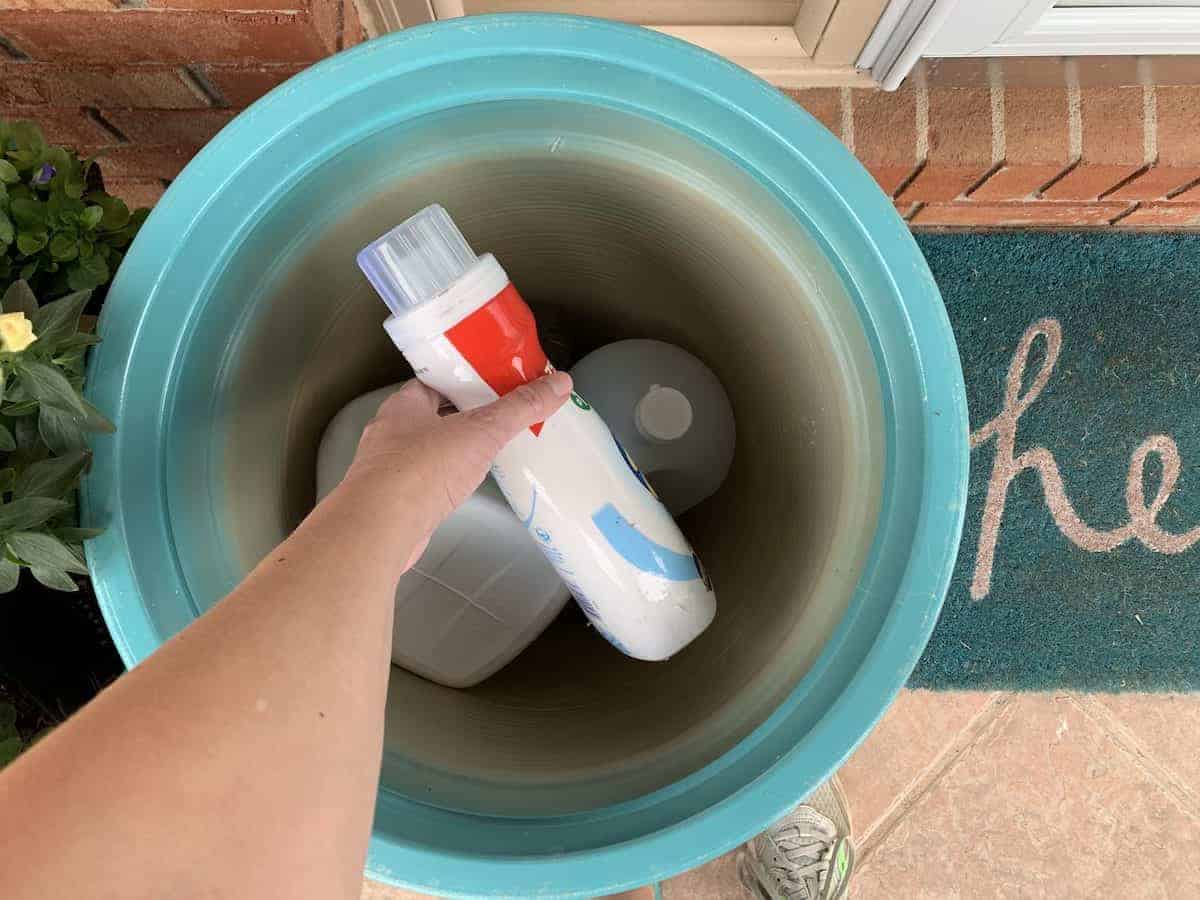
pixel 242 758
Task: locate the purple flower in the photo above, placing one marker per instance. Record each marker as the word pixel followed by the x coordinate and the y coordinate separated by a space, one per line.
pixel 44 174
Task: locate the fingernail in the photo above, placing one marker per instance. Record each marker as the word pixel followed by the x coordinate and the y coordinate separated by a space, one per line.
pixel 560 383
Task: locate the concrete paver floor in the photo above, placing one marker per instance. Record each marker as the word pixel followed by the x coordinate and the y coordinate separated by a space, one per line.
pixel 963 795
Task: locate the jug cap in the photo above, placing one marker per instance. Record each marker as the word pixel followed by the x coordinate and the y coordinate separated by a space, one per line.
pixel 417 260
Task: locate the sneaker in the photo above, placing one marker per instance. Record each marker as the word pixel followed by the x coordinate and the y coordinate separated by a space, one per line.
pixel 806 855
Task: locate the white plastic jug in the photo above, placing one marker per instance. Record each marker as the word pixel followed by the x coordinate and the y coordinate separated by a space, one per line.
pixel 668 410
pixel 481 591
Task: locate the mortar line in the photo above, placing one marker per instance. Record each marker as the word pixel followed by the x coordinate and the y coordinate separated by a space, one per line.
pixel 8 48
pixel 1124 181
pixel 922 112
pixel 996 95
pixel 1149 111
pixel 1183 188
pixel 1127 740
pixel 98 117
pixel 1125 212
pixel 998 706
pixel 1074 110
pixel 199 84
pixel 846 97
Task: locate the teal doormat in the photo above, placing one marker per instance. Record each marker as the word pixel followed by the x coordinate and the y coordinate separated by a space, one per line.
pixel 1080 561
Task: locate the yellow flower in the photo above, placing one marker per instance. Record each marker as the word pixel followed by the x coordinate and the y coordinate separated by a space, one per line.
pixel 16 332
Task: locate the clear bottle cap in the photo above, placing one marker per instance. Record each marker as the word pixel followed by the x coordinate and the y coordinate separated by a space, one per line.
pixel 417 260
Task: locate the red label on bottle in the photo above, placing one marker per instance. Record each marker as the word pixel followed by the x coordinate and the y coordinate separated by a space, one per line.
pixel 500 342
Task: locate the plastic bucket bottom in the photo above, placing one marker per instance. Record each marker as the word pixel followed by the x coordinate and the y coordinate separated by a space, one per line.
pixel 633 186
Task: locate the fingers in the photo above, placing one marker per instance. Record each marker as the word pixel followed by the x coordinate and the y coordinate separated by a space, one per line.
pixel 413 403
pixel 527 405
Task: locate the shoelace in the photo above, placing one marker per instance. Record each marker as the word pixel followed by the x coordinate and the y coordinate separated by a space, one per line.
pixel 808 851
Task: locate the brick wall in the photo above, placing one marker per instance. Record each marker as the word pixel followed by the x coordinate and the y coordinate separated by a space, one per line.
pixel 1027 142
pixel 150 81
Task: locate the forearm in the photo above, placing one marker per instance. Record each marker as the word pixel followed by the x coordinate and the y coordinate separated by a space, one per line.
pixel 252 739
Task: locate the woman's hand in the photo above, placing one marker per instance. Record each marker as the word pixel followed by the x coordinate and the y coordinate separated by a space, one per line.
pixel 429 463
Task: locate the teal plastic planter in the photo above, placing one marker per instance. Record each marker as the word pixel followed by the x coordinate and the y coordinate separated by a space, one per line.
pixel 633 186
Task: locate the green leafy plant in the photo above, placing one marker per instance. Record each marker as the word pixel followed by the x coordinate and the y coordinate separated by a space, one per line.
pixel 59 230
pixel 10 741
pixel 44 424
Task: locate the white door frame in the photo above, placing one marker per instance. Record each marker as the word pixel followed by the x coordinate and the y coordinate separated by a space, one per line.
pixel 910 29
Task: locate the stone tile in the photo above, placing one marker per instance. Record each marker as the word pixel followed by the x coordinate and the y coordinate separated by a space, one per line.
pixel 1165 724
pixel 1044 804
pixel 910 736
pixel 717 880
pixel 377 890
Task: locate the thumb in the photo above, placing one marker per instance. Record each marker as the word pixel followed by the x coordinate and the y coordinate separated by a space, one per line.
pixel 527 405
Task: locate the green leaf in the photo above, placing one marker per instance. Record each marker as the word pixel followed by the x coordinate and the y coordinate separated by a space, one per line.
pixel 53 578
pixel 90 273
pixel 52 477
pixel 49 386
pixel 17 409
pixel 10 574
pixel 62 432
pixel 78 535
pixel 29 269
pixel 10 749
pixel 28 213
pixel 31 242
pixel 19 298
pixel 44 551
pixel 7 442
pixel 59 319
pixel 8 720
pixel 30 512
pixel 80 339
pixel 91 216
pixel 8 478
pixel 7 231
pixel 64 247
pixel 116 213
pixel 96 420
pixel 8 172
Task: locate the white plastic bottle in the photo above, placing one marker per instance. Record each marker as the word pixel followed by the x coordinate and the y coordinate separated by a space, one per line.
pixel 468 334
pixel 669 412
pixel 479 594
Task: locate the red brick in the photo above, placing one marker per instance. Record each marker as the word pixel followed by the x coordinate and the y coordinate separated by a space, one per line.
pixel 960 144
pixel 145 35
pixel 327 19
pixel 963 71
pixel 146 86
pixel 70 127
pixel 60 5
pixel 1037 143
pixel 1113 143
pixel 273 5
pixel 353 32
pixel 135 192
pixel 906 210
pixel 242 86
pixel 1164 214
pixel 885 135
pixel 823 104
pixel 973 214
pixel 1178 163
pixel 1107 71
pixel 137 162
pixel 181 127
pixel 1034 71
